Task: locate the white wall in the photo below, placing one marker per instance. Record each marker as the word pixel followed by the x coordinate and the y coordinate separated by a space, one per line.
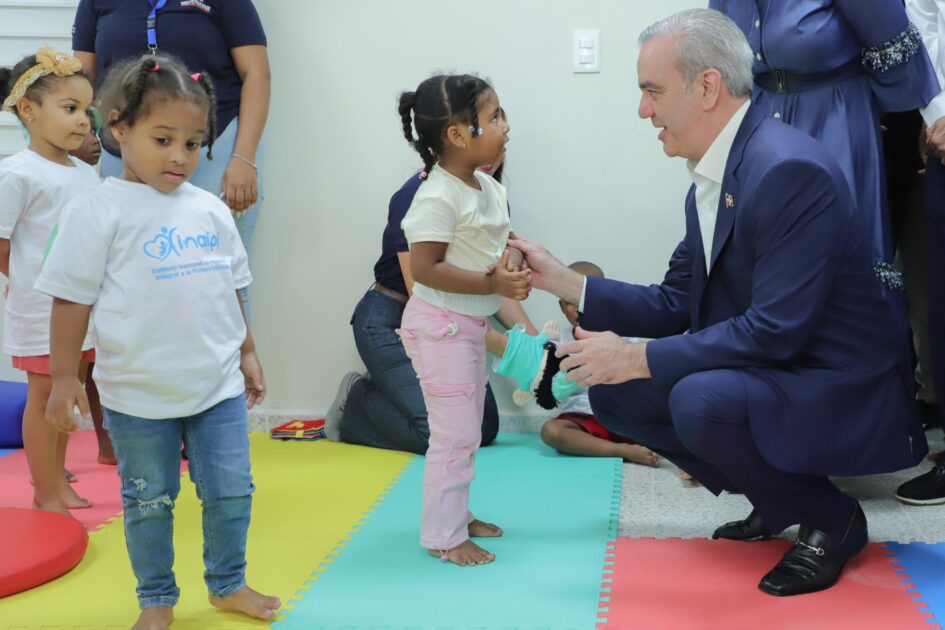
pixel 586 176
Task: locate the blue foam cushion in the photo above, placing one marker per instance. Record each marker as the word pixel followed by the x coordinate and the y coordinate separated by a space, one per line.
pixel 12 404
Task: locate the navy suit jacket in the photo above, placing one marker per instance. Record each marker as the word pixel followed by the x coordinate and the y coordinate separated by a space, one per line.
pixel 792 301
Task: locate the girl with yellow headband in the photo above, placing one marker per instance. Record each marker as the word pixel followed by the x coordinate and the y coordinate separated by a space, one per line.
pixel 51 97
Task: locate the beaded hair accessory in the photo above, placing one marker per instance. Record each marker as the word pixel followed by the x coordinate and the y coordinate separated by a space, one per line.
pixel 48 61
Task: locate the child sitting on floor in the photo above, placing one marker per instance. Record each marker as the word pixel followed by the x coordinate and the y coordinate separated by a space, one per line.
pixel 530 361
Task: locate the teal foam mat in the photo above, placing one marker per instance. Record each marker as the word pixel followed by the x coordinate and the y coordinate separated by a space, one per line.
pixel 558 514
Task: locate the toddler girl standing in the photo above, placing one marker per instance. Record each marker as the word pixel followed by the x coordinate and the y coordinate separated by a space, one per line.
pixel 51 97
pixel 157 263
pixel 457 228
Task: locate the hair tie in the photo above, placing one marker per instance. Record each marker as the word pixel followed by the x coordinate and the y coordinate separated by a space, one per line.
pixel 424 175
pixel 196 77
pixel 156 67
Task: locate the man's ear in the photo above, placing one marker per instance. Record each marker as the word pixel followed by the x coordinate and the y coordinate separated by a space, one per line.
pixel 710 84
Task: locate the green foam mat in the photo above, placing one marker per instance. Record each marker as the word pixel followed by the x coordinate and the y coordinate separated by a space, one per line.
pixel 558 514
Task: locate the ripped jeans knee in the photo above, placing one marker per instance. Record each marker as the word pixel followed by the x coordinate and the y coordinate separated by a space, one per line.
pixel 136 496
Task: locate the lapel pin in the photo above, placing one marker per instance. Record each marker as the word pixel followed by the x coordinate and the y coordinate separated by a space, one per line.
pixel 729 200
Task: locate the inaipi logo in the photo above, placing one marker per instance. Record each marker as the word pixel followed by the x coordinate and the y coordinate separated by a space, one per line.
pixel 170 242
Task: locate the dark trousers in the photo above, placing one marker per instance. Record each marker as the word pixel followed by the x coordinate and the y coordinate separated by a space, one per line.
pixel 701 425
pixel 387 410
pixel 935 233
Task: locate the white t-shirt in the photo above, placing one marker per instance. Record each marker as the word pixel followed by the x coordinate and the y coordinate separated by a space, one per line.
pixel 475 223
pixel 162 271
pixel 33 191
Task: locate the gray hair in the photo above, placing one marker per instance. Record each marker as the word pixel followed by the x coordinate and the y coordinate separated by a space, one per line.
pixel 706 38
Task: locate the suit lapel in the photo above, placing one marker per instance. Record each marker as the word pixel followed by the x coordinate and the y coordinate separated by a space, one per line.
pixel 728 199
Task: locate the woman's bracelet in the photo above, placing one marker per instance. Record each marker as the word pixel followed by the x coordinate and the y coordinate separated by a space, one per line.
pixel 240 157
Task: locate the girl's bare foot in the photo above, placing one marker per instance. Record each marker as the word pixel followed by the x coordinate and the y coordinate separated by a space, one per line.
pixel 154 618
pixel 639 454
pixel 107 460
pixel 480 529
pixel 465 555
pixel 71 499
pixel 51 506
pixel 249 602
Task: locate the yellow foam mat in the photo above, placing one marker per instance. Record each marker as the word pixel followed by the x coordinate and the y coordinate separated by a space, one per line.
pixel 308 498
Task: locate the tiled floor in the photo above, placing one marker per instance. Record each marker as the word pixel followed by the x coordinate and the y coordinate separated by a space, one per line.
pixel 657 503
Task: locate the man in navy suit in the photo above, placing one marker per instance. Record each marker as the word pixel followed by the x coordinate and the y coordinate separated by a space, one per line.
pixel 779 351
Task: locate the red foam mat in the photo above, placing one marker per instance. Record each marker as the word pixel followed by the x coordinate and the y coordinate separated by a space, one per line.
pixel 96 482
pixel 709 584
pixel 36 547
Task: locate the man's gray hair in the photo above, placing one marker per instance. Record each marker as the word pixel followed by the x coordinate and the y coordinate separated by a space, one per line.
pixel 705 39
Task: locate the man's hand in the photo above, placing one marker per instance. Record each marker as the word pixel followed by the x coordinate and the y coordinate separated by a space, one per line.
pixel 508 282
pixel 65 395
pixel 544 266
pixel 602 358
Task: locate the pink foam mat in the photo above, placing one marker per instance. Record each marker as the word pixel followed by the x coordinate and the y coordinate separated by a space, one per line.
pixel 708 584
pixel 96 482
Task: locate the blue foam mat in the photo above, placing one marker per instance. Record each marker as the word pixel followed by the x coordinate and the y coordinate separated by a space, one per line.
pixel 8 451
pixel 558 514
pixel 923 565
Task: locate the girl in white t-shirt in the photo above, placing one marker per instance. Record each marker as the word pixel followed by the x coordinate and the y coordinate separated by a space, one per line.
pixel 157 263
pixel 457 228
pixel 51 97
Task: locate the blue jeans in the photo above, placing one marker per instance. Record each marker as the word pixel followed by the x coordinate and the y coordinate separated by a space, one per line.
pixel 387 410
pixel 209 176
pixel 217 445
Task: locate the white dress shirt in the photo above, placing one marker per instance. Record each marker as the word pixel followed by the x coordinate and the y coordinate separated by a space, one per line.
pixel 707 176
pixel 929 18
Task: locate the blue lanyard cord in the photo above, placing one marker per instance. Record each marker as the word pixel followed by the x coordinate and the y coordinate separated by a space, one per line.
pixel 156 5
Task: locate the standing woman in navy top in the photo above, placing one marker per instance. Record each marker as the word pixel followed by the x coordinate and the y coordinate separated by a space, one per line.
pixel 223 38
pixel 829 67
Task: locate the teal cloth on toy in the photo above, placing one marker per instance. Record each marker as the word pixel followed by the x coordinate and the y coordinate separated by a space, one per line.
pixel 522 358
pixel 562 388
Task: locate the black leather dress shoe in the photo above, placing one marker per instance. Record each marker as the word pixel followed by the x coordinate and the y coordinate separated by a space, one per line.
pixel 750 529
pixel 814 562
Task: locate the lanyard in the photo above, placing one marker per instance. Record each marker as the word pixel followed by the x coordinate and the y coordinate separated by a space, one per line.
pixel 156 5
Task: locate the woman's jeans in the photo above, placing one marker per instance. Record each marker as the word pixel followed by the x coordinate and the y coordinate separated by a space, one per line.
pixel 209 176
pixel 217 445
pixel 387 410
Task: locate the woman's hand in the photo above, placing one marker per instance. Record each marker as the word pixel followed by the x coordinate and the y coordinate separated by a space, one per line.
pixel 240 186
pixel 65 395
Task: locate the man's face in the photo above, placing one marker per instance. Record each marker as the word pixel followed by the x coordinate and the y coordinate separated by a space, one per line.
pixel 665 99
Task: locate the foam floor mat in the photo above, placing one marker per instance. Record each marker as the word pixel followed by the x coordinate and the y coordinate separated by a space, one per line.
pixel 308 497
pixel 700 584
pixel 96 482
pixel 557 513
pixel 922 568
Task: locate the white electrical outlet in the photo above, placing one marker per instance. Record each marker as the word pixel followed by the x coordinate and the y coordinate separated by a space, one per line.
pixel 587 50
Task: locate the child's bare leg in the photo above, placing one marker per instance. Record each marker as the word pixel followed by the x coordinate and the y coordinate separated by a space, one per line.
pixel 41 441
pixel 568 437
pixel 154 618
pixel 248 602
pixel 496 342
pixel 106 453
pixel 481 529
pixel 466 554
pixel 70 497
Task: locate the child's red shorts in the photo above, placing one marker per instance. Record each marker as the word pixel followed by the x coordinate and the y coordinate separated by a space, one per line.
pixel 590 424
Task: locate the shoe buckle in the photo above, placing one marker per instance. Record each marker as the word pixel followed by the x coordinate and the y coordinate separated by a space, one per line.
pixel 817 550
